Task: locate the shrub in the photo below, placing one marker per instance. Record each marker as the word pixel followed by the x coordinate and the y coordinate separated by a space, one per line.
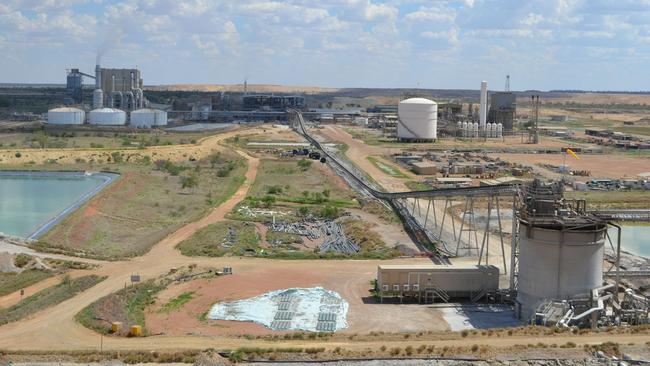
pixel 18 154
pixel 304 164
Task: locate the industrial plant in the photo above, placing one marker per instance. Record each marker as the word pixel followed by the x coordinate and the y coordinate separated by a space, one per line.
pixel 116 93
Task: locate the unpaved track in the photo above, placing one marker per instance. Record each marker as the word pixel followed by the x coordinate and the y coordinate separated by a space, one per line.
pixel 358 151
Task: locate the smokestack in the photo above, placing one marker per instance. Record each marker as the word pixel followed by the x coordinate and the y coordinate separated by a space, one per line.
pixel 98 77
pixel 483 110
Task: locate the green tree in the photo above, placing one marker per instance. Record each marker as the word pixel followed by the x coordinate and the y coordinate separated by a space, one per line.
pixel 191 181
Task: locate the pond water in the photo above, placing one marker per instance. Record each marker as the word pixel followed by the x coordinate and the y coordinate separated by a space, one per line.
pixel 635 239
pixel 32 202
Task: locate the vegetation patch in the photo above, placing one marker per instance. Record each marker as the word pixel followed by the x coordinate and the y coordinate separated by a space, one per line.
pixel 48 297
pixel 393 171
pixel 11 282
pixel 221 238
pixel 177 302
pixel 126 306
pixel 417 185
pixel 613 199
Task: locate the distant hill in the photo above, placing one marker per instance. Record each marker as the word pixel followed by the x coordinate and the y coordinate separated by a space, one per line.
pixel 254 88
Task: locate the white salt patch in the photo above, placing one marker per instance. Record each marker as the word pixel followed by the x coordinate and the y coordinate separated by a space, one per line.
pixel 307 303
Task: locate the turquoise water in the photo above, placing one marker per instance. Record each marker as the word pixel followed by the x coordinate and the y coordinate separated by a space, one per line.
pixel 34 201
pixel 635 239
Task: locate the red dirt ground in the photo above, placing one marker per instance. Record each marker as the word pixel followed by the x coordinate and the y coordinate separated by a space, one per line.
pixel 350 281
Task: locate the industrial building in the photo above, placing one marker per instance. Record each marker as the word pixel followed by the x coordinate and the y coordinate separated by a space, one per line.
pixel 503 106
pixel 122 88
pixel 114 88
pixel 425 167
pixel 418 120
pixel 428 282
pixel 272 102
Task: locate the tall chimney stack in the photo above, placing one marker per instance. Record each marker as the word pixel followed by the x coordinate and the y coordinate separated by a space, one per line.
pixel 483 110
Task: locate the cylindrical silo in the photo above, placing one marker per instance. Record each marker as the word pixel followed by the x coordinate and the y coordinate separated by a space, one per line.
pixel 475 130
pixel 66 116
pixel 557 264
pixel 147 118
pixel 418 119
pixel 98 98
pixel 107 117
pixel 459 128
pixel 499 130
pixel 465 129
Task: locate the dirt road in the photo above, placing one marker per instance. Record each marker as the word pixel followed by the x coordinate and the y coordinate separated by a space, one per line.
pixel 600 166
pixel 358 151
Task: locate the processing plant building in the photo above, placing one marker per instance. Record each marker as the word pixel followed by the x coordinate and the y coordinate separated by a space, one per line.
pixel 503 106
pixel 272 102
pixel 114 88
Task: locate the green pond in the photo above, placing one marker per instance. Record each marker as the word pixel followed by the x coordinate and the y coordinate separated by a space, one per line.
pixel 32 202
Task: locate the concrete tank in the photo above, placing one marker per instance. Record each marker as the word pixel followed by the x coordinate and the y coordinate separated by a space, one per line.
pixel 107 117
pixel 147 118
pixel 418 119
pixel 556 263
pixel 66 116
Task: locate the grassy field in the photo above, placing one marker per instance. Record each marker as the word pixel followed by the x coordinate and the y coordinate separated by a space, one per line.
pixel 126 306
pixel 219 239
pixel 613 199
pixel 144 205
pixel 299 187
pixel 391 170
pixel 96 139
pixel 10 282
pixel 417 186
pixel 48 297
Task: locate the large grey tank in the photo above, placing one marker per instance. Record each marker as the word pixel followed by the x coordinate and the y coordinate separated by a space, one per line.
pixel 560 249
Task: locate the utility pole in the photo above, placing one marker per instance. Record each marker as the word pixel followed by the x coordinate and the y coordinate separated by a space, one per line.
pixel 507 83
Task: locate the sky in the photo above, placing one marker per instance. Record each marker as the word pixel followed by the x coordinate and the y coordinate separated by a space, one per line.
pixel 438 44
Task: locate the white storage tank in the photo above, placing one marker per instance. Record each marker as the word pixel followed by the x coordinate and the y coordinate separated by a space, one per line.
pixel 107 117
pixel 66 116
pixel 500 130
pixel 147 118
pixel 475 130
pixel 556 263
pixel 465 127
pixel 418 119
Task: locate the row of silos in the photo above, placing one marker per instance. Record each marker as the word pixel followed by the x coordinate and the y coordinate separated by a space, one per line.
pixel 472 130
pixel 141 118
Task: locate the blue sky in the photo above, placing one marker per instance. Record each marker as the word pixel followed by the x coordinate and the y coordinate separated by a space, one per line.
pixel 542 44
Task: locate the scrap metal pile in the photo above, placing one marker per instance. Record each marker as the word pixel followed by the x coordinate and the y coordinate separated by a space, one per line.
pixel 306 229
pixel 335 239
